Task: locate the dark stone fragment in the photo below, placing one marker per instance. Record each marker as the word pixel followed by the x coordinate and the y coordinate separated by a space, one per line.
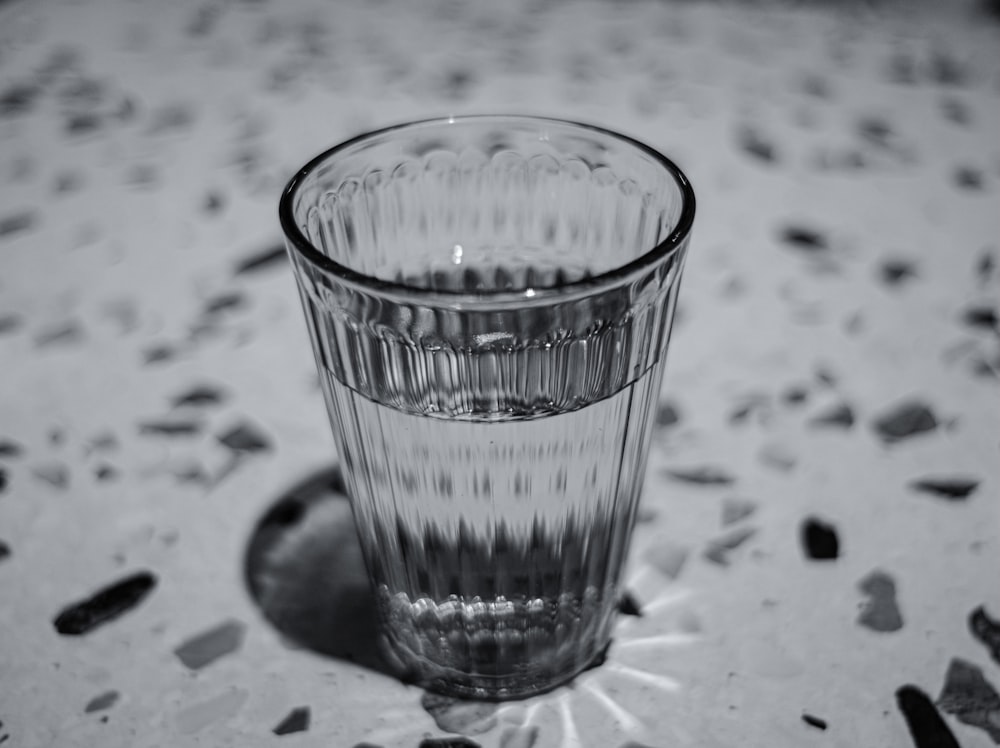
pixel 984 366
pixel 971 698
pixel 819 724
pixel 905 420
pixel 10 448
pixel 203 21
pixel 986 630
pixel 296 721
pixel 366 745
pixel 753 143
pixel 981 316
pixel 200 395
pixel 170 428
pixel 754 405
pixel 17 222
pixel 927 728
pixel 210 645
pixel 896 272
pixel 158 353
pixel 245 438
pixel 953 489
pixel 718 550
pixel 67 182
pixel 105 605
pixel 880 612
pixel 628 606
pixel 819 540
pixel 3 479
pixel 5 551
pixel 448 743
pixel 80 123
pixel 705 475
pixel 9 323
pixel 224 302
pixel 18 99
pixel 968 178
pixel 956 111
pixel 945 69
pixel 267 258
pixel 459 715
pixel 985 265
pixel 666 415
pixel 213 203
pixel 99 703
pixel 875 131
pixel 667 558
pixel 105 473
pixel 804 238
pixel 839 415
pixel 795 395
pixel 733 510
pixel 825 376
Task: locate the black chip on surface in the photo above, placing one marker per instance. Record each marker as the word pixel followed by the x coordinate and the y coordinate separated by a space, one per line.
pixel 705 475
pixel 927 728
pixel 245 438
pixel 297 720
pixel 905 420
pixel 267 258
pixel 819 540
pixel 986 630
pixel 105 605
pixel 970 697
pixel 953 488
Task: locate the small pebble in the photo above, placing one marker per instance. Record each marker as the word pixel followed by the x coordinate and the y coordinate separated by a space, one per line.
pixel 296 721
pixel 927 728
pixel 819 540
pixel 880 612
pixel 105 605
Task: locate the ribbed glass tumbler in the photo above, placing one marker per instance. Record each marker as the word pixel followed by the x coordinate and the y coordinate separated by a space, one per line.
pixel 489 300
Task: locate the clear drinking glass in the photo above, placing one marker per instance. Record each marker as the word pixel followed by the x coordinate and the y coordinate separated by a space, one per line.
pixel 489 300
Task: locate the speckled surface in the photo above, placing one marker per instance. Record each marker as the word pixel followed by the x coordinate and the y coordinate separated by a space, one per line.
pixel 817 557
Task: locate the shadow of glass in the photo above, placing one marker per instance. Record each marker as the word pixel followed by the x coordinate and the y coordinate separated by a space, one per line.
pixel 304 568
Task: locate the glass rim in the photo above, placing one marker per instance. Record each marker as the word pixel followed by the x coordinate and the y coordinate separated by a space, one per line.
pixel 667 246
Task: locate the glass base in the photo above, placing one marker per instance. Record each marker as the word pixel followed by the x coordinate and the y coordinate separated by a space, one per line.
pixel 518 682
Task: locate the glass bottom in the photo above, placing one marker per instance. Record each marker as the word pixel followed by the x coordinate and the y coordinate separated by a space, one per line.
pixel 495 650
pixel 532 680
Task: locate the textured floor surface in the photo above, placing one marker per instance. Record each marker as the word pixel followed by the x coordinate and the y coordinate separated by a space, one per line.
pixel 817 554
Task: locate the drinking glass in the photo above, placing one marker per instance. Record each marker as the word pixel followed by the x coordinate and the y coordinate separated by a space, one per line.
pixel 489 300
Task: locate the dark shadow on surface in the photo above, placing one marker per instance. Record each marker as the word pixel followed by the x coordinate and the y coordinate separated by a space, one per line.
pixel 304 569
